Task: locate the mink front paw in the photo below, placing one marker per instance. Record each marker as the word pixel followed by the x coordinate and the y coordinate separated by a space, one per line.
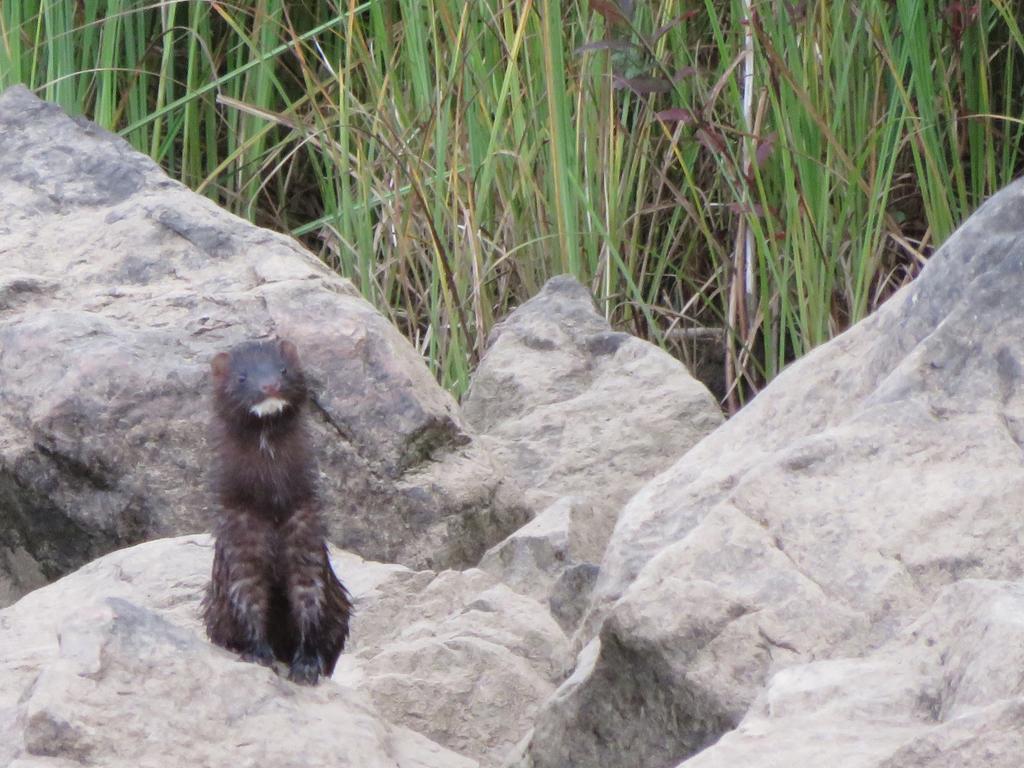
pixel 306 669
pixel 261 654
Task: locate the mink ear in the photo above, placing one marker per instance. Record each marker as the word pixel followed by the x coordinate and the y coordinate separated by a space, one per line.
pixel 288 351
pixel 219 365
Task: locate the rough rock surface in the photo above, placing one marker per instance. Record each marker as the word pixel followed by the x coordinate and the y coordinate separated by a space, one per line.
pixel 552 558
pixel 947 692
pixel 556 377
pixel 117 286
pixel 456 657
pixel 819 523
pixel 110 666
pixel 580 417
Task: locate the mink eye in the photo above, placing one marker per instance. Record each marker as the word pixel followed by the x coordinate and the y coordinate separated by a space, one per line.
pixel 284 371
pixel 241 378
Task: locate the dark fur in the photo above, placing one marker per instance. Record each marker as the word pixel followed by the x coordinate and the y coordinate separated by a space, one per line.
pixel 273 593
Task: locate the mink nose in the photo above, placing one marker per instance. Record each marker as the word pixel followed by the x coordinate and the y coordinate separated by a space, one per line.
pixel 270 388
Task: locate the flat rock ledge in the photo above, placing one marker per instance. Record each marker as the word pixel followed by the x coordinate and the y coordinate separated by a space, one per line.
pixel 111 666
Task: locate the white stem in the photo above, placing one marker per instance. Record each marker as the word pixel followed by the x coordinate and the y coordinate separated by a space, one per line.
pixel 748 116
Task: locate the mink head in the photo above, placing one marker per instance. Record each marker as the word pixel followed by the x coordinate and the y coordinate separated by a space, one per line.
pixel 259 382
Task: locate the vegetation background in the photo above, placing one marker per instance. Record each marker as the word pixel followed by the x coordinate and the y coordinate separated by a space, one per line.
pixel 739 180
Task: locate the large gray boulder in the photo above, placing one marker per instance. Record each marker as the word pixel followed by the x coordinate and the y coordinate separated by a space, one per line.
pixel 109 666
pixel 117 287
pixel 580 417
pixel 819 523
pixel 574 408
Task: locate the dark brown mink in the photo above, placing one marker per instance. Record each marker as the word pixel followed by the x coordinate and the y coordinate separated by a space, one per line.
pixel 273 594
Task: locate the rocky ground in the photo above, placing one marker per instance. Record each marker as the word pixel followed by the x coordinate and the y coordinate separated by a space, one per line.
pixel 579 565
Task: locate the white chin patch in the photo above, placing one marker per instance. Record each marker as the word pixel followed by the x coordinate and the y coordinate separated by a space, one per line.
pixel 269 407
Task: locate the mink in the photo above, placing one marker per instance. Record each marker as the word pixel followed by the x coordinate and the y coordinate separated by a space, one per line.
pixel 273 594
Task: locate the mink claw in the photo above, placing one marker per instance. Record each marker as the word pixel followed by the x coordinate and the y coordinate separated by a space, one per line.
pixel 306 669
pixel 260 654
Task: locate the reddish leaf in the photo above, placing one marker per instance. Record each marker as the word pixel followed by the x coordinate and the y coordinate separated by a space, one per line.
pixel 742 208
pixel 643 85
pixel 765 147
pixel 611 11
pixel 797 11
pixel 715 142
pixel 676 115
pixel 668 27
pixel 959 16
pixel 684 72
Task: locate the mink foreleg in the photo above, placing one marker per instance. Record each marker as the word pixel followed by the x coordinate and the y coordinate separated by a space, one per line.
pixel 239 600
pixel 305 565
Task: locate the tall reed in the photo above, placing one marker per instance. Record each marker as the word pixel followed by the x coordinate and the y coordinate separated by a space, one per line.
pixel 762 174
